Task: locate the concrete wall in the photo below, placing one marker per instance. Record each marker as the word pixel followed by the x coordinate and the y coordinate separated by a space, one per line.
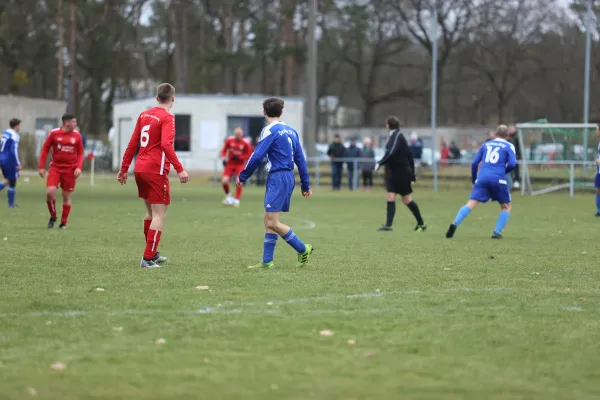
pixel 34 113
pixel 214 109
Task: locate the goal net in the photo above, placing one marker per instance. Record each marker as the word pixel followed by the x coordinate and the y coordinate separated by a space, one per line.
pixel 556 157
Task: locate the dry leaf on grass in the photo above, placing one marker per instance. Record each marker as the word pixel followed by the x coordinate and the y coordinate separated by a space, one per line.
pixel 160 341
pixel 202 287
pixel 58 291
pixel 118 328
pixel 48 322
pixel 5 238
pixel 582 299
pixel 32 392
pixel 99 289
pixel 58 366
pixel 369 355
pixel 326 332
pixel 351 341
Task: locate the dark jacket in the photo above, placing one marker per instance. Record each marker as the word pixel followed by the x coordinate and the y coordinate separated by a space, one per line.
pixel 416 149
pixel 352 152
pixel 336 150
pixel 369 159
pixel 397 154
pixel 514 139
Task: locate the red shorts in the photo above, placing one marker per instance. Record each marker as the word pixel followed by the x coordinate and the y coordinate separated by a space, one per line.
pixel 233 169
pixel 153 188
pixel 65 179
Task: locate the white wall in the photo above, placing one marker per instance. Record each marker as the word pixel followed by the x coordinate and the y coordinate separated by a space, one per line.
pixel 28 110
pixel 202 108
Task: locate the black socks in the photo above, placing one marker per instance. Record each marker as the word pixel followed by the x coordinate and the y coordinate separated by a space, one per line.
pixel 391 211
pixel 414 208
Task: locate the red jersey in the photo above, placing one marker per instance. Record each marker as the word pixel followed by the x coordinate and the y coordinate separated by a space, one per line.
pixel 67 150
pixel 155 134
pixel 240 149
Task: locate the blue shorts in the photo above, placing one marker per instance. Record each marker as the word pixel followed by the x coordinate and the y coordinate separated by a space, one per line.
pixel 9 171
pixel 497 191
pixel 280 186
pixel 597 181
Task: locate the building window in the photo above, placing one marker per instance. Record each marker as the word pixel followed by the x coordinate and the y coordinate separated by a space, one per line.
pixel 183 130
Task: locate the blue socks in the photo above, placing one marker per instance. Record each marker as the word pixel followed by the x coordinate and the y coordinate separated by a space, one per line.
pixel 502 221
pixel 269 247
pixel 11 196
pixel 597 202
pixel 462 214
pixel 293 241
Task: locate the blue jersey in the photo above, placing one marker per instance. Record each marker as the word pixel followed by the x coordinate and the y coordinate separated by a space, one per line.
pixel 497 158
pixel 9 148
pixel 281 145
pixel 598 165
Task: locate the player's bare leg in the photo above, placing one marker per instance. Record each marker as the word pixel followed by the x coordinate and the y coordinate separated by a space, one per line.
pixel 502 220
pixel 147 222
pixel 51 202
pixel 225 183
pixel 66 209
pixel 273 229
pixel 462 214
pixel 159 214
pixel 414 209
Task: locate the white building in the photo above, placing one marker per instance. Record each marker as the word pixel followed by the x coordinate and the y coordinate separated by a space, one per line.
pixel 202 123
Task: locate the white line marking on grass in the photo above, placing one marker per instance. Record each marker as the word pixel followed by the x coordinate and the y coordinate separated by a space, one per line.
pixel 229 307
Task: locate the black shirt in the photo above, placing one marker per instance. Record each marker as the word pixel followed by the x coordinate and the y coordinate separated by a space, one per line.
pixel 397 153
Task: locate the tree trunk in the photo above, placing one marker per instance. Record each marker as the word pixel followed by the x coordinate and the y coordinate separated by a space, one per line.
pixel 288 34
pixel 174 11
pixel 74 92
pixel 500 107
pixel 60 53
pixel 242 50
pixel 228 38
pixel 368 113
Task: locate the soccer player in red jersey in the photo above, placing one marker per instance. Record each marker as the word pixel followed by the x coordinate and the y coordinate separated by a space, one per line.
pixel 65 167
pixel 154 133
pixel 235 153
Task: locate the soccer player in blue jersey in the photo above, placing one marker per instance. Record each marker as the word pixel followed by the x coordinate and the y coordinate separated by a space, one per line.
pixel 597 178
pixel 281 144
pixel 9 160
pixel 497 158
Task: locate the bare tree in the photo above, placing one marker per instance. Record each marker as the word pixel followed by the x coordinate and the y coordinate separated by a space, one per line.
pixel 505 51
pixel 369 39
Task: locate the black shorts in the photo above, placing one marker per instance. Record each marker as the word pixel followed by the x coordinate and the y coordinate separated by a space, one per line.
pixel 399 181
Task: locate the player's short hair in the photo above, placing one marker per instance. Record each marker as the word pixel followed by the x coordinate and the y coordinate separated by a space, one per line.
pixel 67 117
pixel 273 107
pixel 393 122
pixel 165 92
pixel 502 131
pixel 13 123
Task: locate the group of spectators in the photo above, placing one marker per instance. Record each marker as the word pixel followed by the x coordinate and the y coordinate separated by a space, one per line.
pixel 337 152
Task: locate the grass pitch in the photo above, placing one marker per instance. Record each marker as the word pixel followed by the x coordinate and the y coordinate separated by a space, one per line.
pixel 413 315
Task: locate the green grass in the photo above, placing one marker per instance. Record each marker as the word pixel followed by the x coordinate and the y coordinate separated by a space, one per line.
pixel 469 318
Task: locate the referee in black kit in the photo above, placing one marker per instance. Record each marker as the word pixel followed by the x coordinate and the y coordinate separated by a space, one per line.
pixel 399 175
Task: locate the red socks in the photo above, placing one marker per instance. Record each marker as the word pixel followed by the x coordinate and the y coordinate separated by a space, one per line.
pixel 226 188
pixel 238 192
pixel 147 223
pixel 65 214
pixel 52 207
pixel 152 241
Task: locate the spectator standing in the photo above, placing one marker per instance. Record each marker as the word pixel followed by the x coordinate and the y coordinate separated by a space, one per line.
pixel 352 152
pixel 514 139
pixel 454 151
pixel 444 153
pixel 367 165
pixel 336 153
pixel 416 149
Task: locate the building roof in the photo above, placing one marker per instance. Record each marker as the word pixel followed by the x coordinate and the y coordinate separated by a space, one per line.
pixel 217 96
